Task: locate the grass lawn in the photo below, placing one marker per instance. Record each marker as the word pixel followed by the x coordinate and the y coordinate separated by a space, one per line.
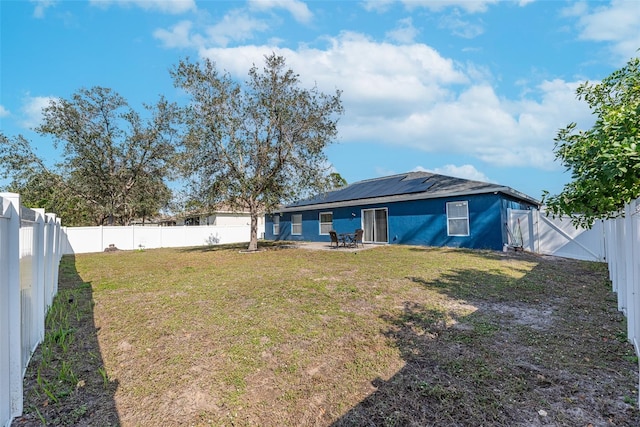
pixel 390 336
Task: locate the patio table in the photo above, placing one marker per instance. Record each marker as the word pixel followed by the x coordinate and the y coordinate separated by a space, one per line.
pixel 346 237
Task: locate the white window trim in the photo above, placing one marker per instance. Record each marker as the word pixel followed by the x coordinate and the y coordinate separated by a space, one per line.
pixel 293 222
pixel 320 222
pixel 449 218
pixel 276 225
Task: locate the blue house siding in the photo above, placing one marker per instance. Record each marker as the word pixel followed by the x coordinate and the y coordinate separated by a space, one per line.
pixel 416 222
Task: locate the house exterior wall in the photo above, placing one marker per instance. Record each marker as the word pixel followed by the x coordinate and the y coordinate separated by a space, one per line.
pixel 417 222
pixel 224 219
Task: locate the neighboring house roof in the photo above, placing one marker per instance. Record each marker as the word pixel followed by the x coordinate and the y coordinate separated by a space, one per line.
pixel 407 186
pixel 222 209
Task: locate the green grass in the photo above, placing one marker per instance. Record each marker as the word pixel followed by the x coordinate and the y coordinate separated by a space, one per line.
pixel 289 337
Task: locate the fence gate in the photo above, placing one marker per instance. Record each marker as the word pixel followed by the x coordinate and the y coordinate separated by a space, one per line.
pixel 520 225
pixel 556 236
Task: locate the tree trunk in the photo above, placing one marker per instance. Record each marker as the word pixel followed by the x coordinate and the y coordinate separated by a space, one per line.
pixel 253 243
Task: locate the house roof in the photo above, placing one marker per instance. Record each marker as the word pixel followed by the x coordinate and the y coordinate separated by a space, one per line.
pixel 407 186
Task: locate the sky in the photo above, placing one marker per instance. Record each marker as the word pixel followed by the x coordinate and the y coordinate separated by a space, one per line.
pixel 474 89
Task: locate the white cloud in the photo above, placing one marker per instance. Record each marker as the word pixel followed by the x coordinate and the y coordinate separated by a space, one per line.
pixel 31 110
pixel 235 26
pixel 476 6
pixel 410 95
pixel 405 32
pixel 617 23
pixel 298 9
pixel 177 37
pixel 575 9
pixel 4 112
pixel 173 7
pixel 380 6
pixel 469 6
pixel 378 79
pixel 463 171
pixel 41 6
pixel 460 27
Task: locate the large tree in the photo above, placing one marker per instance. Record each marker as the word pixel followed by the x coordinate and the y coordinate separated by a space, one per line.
pixel 114 162
pixel 37 185
pixel 605 160
pixel 258 144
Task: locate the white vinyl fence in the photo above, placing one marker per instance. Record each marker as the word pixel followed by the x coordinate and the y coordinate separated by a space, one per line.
pixel 557 236
pixel 78 240
pixel 29 258
pixel 614 241
pixel 623 249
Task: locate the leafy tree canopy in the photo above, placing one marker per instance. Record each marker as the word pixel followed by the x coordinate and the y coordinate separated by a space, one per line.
pixel 114 162
pixel 605 160
pixel 336 181
pixel 254 145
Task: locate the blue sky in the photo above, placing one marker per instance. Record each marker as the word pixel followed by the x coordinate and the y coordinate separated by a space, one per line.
pixel 476 89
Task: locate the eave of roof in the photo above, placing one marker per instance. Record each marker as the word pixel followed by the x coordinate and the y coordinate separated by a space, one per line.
pixel 446 187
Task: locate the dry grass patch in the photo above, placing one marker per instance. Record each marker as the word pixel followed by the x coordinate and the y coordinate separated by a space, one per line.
pixel 388 336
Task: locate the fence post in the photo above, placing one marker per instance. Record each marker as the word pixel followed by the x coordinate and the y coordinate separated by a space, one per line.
pixel 5 389
pixel 55 261
pixel 38 288
pixel 621 271
pixel 11 294
pixel 48 270
pixel 629 261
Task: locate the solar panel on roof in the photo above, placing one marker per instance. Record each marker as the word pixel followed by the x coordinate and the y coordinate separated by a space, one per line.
pixel 374 188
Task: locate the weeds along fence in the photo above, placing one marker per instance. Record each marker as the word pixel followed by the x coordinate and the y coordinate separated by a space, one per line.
pixel 77 240
pixel 29 259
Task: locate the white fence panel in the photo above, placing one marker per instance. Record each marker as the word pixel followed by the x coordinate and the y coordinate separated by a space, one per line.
pixel 559 237
pixel 82 240
pixel 8 260
pixel 556 236
pixel 29 258
pixel 31 281
pixel 622 236
pixel 96 239
pixel 147 237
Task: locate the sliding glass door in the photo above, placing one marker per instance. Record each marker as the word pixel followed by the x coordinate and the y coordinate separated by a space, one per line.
pixel 374 222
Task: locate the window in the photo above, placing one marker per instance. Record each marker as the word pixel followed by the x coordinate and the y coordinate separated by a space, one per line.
pixel 326 222
pixel 194 220
pixel 296 224
pixel 276 225
pixel 458 218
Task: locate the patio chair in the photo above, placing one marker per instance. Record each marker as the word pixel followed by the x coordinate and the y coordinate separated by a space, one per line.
pixel 357 237
pixel 334 238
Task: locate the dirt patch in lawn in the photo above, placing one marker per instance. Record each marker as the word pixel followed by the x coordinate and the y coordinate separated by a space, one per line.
pixel 393 336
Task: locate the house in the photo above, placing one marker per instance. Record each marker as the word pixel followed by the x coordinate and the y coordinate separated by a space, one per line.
pixel 415 208
pixel 219 217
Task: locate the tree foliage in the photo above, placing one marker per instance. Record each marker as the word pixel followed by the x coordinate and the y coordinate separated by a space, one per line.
pixel 114 162
pixel 605 160
pixel 39 187
pixel 336 181
pixel 254 145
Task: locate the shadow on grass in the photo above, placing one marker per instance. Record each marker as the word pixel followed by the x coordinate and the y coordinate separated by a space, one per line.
pixel 66 382
pixel 539 349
